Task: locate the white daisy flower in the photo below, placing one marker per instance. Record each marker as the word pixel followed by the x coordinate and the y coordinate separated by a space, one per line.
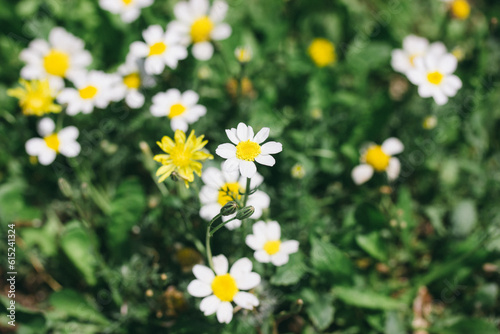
pixel 129 10
pixel 131 83
pixel 161 48
pixel 414 47
pixel 243 54
pixel 180 108
pixel 93 89
pixel 267 244
pixel 52 143
pixel 433 74
pixel 247 150
pixel 222 288
pixel 221 187
pixel 379 158
pixel 63 56
pixel 198 24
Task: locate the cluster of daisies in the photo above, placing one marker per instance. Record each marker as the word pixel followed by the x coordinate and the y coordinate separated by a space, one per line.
pixel 229 193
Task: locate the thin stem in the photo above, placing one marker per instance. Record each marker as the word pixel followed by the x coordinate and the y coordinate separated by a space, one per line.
pixel 247 191
pixel 207 241
pixel 218 227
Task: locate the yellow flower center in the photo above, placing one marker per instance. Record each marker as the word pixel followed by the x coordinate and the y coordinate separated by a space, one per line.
pixel 224 287
pixel 88 92
pixel 228 192
pixel 132 80
pixel 52 142
pixel 176 110
pixel 247 150
pixel 272 247
pixel 127 2
pixel 56 63
pixel 376 158
pixel 435 78
pixel 181 155
pixel 460 9
pixel 157 49
pixel 201 29
pixel 322 52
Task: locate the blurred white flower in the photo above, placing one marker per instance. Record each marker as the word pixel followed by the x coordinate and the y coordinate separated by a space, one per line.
pixel 247 150
pixel 129 10
pixel 414 47
pixel 160 49
pixel 267 244
pixel 221 187
pixel 52 143
pixel 243 54
pixel 63 56
pixel 131 83
pixel 379 158
pixel 198 24
pixel 222 288
pixel 181 109
pixel 433 74
pixel 93 89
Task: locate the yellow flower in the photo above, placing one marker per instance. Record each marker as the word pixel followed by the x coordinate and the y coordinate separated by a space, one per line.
pixel 322 52
pixel 183 156
pixel 298 171
pixel 35 97
pixel 460 9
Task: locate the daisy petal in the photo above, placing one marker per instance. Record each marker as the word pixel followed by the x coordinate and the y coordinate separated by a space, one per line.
pixel 247 168
pixel 362 173
pixel 198 288
pixel 209 305
pixel 242 132
pixel 226 151
pixel 246 300
pixel 271 147
pixel 225 312
pixel 203 273
pixel 265 160
pixel 393 169
pixel 231 134
pixel 289 246
pixel 46 126
pixel 262 256
pixel 220 264
pixel 261 135
pixel 248 281
pixel 392 146
pixel 241 267
pixel 203 50
pixel 279 259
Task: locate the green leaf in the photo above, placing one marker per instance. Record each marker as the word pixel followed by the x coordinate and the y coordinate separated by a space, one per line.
pixel 69 303
pixel 368 216
pixel 463 218
pixel 79 248
pixel 291 272
pixel 319 308
pixel 326 258
pixel 468 326
pixel 366 299
pixel 373 245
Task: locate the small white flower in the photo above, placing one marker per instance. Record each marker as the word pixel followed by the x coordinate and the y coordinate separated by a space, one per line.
pixel 129 10
pixel 198 24
pixel 247 150
pixel 220 187
pixel 414 47
pixel 93 89
pixel 161 48
pixel 379 158
pixel 433 74
pixel 131 83
pixel 63 56
pixel 267 244
pixel 52 143
pixel 180 108
pixel 222 288
pixel 243 54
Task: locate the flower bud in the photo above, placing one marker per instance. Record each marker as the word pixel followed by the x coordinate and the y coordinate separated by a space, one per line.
pixel 246 212
pixel 229 208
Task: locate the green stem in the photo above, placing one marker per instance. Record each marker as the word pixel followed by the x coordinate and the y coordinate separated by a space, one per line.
pixel 207 241
pixel 247 191
pixel 218 227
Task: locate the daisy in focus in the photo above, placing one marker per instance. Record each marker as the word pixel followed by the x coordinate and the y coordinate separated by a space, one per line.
pixel 131 83
pixel 183 156
pixel 181 108
pixel 267 244
pixel 247 149
pixel 35 97
pixel 63 56
pixel 379 158
pixel 322 52
pixel 93 89
pixel 222 187
pixel 198 24
pixel 129 10
pixel 221 288
pixel 459 8
pixel 53 143
pixel 433 74
pixel 159 49
pixel 414 47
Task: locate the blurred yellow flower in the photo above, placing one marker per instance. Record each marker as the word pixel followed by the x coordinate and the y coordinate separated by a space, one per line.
pixel 460 9
pixel 183 156
pixel 35 97
pixel 322 52
pixel 243 54
pixel 429 122
pixel 298 171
